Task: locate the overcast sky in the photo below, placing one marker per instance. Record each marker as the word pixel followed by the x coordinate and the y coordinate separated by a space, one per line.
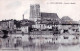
pixel 14 9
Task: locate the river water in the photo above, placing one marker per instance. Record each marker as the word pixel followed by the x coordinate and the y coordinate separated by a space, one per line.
pixel 54 47
pixel 45 47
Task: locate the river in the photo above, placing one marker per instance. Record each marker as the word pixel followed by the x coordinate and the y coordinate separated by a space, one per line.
pixel 55 47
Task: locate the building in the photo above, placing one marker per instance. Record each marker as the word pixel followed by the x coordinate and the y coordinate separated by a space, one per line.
pixel 42 26
pixel 70 27
pixel 25 25
pixel 7 25
pixel 25 28
pixel 0 25
pixel 49 16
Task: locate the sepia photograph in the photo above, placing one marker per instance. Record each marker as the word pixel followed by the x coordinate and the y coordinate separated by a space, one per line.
pixel 39 25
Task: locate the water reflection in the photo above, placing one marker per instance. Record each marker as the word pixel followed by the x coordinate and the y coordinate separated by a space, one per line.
pixel 54 47
pixel 48 47
pixel 45 47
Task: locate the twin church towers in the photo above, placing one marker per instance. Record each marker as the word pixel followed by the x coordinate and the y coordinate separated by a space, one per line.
pixel 35 12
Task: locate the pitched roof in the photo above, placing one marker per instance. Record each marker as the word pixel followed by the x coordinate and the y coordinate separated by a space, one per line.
pixel 47 15
pixel 6 20
pixel 27 23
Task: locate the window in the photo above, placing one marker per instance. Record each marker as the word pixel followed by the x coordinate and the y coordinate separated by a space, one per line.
pixel 65 31
pixel 43 25
pixel 65 37
pixel 77 38
pixel 49 25
pixel 46 38
pixel 73 29
pixel 77 30
pixel 37 37
pixel 40 26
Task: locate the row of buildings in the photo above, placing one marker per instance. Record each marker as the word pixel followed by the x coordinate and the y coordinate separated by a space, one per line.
pixel 40 21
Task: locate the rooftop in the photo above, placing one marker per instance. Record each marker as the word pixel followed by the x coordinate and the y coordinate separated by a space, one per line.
pixel 51 15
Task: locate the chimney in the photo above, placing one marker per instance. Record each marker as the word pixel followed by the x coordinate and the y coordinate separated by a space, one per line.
pixel 23 16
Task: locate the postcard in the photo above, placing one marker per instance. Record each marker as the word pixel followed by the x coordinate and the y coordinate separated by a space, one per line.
pixel 39 25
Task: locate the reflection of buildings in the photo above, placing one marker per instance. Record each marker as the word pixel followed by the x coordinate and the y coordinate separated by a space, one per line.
pixel 68 39
pixel 8 42
pixel 43 36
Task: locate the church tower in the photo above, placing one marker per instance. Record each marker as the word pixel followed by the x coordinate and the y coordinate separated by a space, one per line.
pixel 34 12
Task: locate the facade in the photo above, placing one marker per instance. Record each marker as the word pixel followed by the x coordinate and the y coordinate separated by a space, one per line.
pixel 40 26
pixel 7 24
pixel 70 28
pixel 24 29
pixel 25 24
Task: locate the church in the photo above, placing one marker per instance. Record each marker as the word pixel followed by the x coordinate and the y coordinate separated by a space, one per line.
pixel 42 17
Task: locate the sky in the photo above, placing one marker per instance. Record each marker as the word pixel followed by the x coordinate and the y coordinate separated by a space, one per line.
pixel 14 9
